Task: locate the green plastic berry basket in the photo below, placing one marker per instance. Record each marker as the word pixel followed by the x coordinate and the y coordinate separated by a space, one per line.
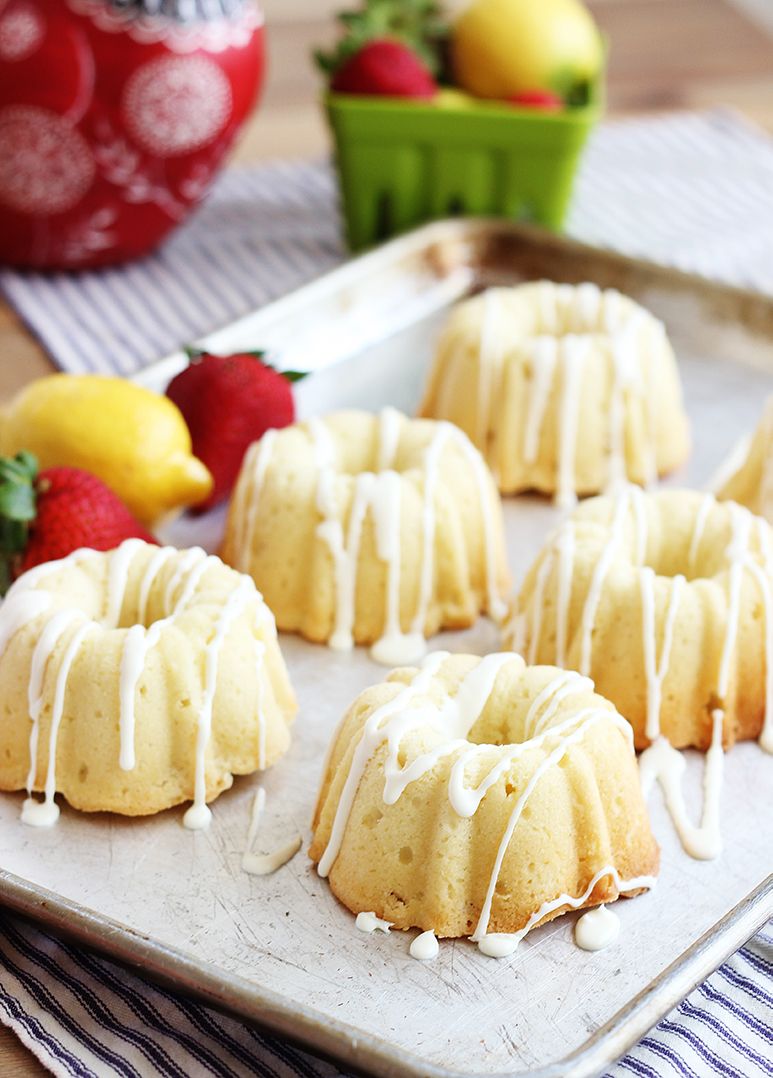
pixel 404 162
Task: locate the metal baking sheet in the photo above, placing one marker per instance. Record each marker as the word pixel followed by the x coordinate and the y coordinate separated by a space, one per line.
pixel 279 951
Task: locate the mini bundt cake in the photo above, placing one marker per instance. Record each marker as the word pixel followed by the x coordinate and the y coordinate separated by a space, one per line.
pixel 369 529
pixel 138 679
pixel 665 601
pixel 481 796
pixel 751 480
pixel 516 368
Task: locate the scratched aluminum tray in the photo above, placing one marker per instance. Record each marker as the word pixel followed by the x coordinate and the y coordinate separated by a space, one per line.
pixel 279 951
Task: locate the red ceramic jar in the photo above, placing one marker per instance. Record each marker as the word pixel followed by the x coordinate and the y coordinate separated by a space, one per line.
pixel 114 122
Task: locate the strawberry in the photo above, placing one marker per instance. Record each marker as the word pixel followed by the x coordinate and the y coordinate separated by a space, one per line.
pixel 228 403
pixel 418 24
pixel 545 100
pixel 46 516
pixel 384 66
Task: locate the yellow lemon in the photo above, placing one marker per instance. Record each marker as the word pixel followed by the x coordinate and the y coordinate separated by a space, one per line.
pixel 448 97
pixel 136 441
pixel 500 48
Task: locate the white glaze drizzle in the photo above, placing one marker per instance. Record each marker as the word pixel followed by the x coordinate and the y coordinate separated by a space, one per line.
pixel 503 944
pixel 661 761
pixel 597 580
pixel 199 814
pixel 544 357
pixel 44 648
pixel 263 864
pixel 46 812
pixel 490 362
pixel 137 643
pixel 737 551
pixel 577 726
pixel 543 574
pixel 570 320
pixel 708 501
pixel 24 603
pixel 596 929
pixel 394 648
pixel 626 372
pixel 185 565
pixel 496 606
pixel 656 671
pixel 253 478
pixel 574 351
pixel 117 578
pixel 381 494
pixel 155 565
pixel 364 751
pixel 567 683
pixel 454 716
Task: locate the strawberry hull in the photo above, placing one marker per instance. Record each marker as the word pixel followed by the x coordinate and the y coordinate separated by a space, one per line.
pixel 405 162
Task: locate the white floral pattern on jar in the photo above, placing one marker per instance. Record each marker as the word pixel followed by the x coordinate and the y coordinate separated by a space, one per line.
pixel 21 31
pixel 175 104
pixel 46 165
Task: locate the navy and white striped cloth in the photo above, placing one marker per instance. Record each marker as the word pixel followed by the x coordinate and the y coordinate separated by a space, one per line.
pixel 84 1017
pixel 693 191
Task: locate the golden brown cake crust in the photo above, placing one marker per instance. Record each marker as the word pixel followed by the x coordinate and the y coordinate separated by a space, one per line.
pixel 664 601
pixel 400 830
pixel 360 528
pixel 516 368
pixel 146 645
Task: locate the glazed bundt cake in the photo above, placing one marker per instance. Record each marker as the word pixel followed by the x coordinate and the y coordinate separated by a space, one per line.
pixel 136 680
pixel 369 529
pixel 665 601
pixel 481 796
pixel 751 480
pixel 516 368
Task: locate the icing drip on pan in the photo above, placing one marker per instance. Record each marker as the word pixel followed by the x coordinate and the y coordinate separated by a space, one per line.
pixel 263 864
pixel 596 929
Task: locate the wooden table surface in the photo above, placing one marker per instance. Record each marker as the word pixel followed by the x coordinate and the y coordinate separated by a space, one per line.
pixel 664 55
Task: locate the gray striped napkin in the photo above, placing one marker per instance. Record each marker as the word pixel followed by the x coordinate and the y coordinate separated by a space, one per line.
pixel 83 1016
pixel 688 190
pixel 261 232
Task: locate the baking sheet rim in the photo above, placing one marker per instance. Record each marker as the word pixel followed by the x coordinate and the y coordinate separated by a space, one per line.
pixel 272 1012
pixel 341 1043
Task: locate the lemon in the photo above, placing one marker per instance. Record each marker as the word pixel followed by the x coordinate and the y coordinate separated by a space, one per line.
pixel 448 97
pixel 500 48
pixel 135 441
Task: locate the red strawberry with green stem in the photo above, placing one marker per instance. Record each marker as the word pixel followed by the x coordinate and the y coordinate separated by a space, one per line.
pixel 228 403
pixel 46 516
pixel 385 66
